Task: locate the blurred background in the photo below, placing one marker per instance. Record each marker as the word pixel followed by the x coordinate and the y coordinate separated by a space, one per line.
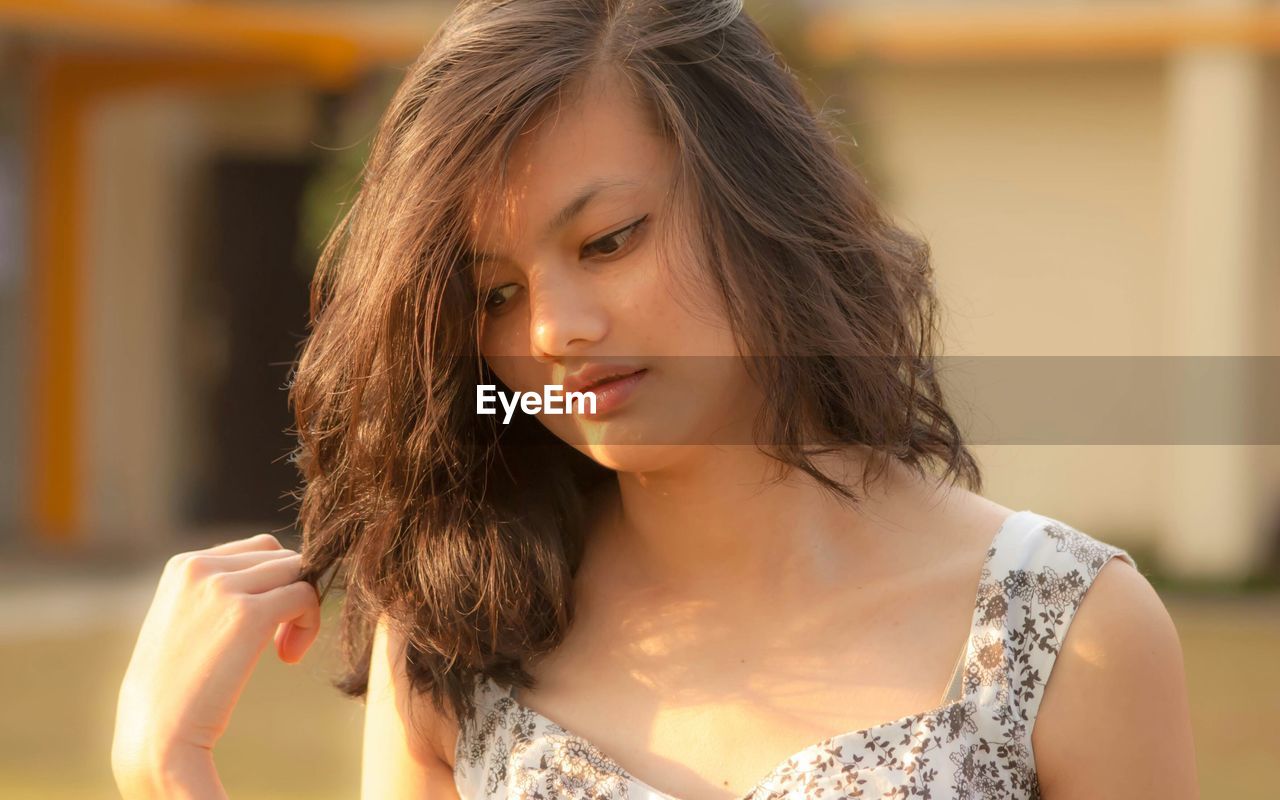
pixel 1095 178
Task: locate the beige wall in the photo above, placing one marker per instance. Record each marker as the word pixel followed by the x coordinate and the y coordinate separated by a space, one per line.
pixel 1055 198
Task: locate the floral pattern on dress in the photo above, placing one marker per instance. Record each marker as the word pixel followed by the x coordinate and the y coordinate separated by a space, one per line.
pixel 977 747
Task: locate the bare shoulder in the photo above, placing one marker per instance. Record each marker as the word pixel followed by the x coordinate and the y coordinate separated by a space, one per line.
pixel 970 520
pixel 1114 721
pixel 407 750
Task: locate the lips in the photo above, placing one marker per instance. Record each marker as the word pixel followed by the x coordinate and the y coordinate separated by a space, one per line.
pixel 612 394
pixel 591 377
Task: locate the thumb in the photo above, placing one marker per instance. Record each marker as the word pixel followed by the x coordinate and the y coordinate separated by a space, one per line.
pixel 293 641
pixel 298 605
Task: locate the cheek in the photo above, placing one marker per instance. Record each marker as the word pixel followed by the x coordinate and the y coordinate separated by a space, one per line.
pixel 498 332
pixel 520 374
pixel 670 307
pixel 506 352
pixel 505 337
pixel 688 314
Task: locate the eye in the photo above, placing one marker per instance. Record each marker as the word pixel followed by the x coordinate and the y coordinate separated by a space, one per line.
pixel 497 298
pixel 613 243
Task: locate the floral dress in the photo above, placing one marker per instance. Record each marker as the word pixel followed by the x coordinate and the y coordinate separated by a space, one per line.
pixel 978 745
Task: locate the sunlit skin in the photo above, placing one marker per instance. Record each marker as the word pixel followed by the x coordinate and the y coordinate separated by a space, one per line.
pixel 715 607
pixel 722 622
pixel 556 303
pixel 595 290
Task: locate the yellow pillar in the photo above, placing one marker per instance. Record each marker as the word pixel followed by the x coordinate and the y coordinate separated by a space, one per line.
pixel 1214 516
pixel 56 209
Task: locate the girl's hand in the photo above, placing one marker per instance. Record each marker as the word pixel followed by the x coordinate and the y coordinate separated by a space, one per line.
pixel 212 615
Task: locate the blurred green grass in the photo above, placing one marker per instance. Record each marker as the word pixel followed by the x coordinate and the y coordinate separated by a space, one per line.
pixel 294 736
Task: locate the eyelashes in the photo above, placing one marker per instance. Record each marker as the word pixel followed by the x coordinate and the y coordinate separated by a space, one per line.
pixel 499 297
pixel 625 234
pixel 494 299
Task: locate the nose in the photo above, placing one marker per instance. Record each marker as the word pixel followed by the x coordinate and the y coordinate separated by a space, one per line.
pixel 565 316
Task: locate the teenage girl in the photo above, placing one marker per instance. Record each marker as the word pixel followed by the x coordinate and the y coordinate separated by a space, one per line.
pixel 761 569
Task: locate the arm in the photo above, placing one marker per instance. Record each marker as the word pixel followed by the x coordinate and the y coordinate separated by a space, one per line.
pixel 399 759
pixel 190 777
pixel 1114 721
pixel 213 613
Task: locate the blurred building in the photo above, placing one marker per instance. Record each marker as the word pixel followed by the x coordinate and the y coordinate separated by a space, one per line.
pixel 157 159
pixel 1095 178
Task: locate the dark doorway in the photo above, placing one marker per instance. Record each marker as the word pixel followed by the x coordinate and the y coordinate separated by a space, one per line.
pixel 245 309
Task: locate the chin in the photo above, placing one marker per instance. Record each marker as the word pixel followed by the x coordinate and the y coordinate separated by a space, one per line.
pixel 631 443
pixel 653 437
pixel 636 457
pixel 640 457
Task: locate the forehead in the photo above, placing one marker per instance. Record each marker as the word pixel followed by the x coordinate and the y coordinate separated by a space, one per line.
pixel 598 136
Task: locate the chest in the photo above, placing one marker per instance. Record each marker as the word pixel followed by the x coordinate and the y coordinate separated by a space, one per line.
pixel 701 704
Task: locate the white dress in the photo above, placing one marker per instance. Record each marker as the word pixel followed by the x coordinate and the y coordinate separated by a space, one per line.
pixel 977 744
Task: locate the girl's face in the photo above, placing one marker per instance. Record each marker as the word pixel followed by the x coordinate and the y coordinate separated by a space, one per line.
pixel 572 282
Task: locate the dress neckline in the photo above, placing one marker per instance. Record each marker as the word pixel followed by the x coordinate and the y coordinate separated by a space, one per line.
pixel 509 695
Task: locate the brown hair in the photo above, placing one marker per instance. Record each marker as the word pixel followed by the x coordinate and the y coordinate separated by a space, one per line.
pixel 469 544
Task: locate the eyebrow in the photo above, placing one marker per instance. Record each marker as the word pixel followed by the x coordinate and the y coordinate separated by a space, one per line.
pixel 571 209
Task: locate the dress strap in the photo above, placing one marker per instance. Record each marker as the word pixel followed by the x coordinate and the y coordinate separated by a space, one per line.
pixel 956 686
pixel 1037 572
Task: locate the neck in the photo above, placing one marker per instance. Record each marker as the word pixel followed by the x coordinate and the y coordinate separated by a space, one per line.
pixel 719 524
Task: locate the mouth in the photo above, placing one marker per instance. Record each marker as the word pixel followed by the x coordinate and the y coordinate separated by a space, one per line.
pixel 613 393
pixel 604 382
pixel 595 384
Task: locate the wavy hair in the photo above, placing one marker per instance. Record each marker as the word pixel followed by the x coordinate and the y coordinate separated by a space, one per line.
pixel 410 503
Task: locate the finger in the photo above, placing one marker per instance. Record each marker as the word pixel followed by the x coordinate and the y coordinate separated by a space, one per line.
pixel 293 642
pixel 297 607
pixel 198 565
pixel 236 562
pixel 267 574
pixel 282 639
pixel 262 541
